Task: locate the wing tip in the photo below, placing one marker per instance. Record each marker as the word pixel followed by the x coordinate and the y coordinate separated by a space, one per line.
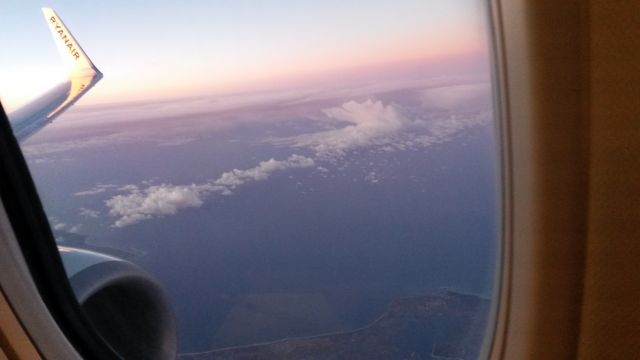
pixel 70 50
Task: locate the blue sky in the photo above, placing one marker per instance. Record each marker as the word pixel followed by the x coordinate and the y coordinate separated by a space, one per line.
pixel 150 49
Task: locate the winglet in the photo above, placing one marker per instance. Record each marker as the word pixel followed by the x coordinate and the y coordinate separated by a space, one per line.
pixel 82 73
pixel 71 52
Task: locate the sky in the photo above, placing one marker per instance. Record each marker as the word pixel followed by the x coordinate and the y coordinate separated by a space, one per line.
pixel 164 49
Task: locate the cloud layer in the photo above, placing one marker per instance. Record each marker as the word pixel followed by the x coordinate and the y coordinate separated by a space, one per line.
pixel 368 123
pixel 235 177
pixel 376 126
pixel 428 116
pixel 98 189
pixel 160 200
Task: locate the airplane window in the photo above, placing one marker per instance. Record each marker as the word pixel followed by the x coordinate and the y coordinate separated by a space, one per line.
pixel 296 179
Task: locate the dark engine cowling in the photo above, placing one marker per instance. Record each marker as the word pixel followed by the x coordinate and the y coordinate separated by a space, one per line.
pixel 125 304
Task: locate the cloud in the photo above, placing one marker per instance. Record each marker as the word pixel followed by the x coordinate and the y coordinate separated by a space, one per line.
pixel 177 141
pixel 98 189
pixel 235 177
pixel 59 226
pixel 89 213
pixel 371 125
pixel 50 151
pixel 444 130
pixel 161 200
pixel 372 177
pixel 456 96
pixel 129 188
pixel 376 126
pixel 57 147
pixel 47 151
pixel 142 111
pixel 368 123
pixel 154 201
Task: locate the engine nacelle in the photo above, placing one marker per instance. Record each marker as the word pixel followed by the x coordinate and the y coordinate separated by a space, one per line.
pixel 125 304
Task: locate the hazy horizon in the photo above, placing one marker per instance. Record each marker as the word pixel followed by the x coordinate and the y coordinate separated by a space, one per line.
pixel 203 51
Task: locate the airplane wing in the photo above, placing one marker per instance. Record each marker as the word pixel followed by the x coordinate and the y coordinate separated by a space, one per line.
pixel 83 75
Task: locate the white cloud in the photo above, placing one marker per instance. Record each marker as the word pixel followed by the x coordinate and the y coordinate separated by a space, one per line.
pixel 59 226
pixel 154 201
pixel 379 127
pixel 166 199
pixel 372 177
pixel 368 123
pixel 444 130
pixel 89 213
pixel 177 141
pixel 50 148
pixel 235 177
pixel 129 188
pixel 98 189
pixel 50 151
pixel 456 96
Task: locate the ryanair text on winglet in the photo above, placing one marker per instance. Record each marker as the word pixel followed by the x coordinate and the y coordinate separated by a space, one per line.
pixel 67 40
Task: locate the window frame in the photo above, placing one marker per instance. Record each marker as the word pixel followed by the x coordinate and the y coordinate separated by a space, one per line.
pixel 540 72
pixel 34 280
